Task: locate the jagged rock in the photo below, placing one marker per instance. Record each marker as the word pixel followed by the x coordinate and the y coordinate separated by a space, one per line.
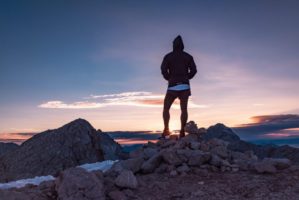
pixel 215 142
pixel 162 168
pixel 279 163
pixel 190 138
pixel 220 151
pixel 151 164
pixel 7 147
pixel 264 167
pixel 191 128
pixel 117 195
pixel 170 157
pixel 222 132
pixel 52 151
pixel 184 154
pixel 111 149
pixel 132 164
pixel 168 143
pixel 183 168
pixel 149 152
pixel 194 145
pixel 126 179
pixel 215 160
pixel 198 158
pixel 173 173
pixel 76 183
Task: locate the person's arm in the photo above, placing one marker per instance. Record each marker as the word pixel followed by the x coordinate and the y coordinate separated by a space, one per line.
pixel 165 69
pixel 192 68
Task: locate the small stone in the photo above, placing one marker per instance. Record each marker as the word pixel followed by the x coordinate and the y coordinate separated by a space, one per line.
pixel 264 167
pixel 194 145
pixel 200 183
pixel 183 169
pixel 168 143
pixel 235 169
pixel 126 179
pixel 171 157
pixel 149 152
pixel 173 173
pixel 151 164
pixel 198 158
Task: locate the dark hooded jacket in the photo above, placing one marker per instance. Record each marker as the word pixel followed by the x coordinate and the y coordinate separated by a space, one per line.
pixel 178 66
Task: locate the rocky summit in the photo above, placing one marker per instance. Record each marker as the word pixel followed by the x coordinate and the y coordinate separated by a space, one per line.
pixel 191 168
pixel 52 151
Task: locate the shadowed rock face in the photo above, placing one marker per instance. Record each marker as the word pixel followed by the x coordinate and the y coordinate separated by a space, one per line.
pixel 51 151
pixel 222 132
pixel 6 147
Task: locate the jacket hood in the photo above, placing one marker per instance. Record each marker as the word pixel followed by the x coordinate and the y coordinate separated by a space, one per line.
pixel 178 43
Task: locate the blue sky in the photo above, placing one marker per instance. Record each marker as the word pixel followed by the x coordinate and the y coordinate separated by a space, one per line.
pixel 56 56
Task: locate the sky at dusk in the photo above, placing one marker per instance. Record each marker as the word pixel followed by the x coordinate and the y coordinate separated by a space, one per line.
pixel 100 60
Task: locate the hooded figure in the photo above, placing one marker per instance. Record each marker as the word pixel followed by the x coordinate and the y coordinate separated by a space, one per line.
pixel 178 44
pixel 177 68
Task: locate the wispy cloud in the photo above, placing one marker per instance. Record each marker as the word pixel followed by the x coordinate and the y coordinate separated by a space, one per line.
pixel 139 99
pixel 270 126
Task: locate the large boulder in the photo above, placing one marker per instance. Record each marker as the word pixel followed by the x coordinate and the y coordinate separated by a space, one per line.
pixel 222 132
pixel 52 151
pixel 151 164
pixel 76 183
pixel 126 179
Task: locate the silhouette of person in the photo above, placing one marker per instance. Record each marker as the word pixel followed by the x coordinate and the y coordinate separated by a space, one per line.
pixel 177 68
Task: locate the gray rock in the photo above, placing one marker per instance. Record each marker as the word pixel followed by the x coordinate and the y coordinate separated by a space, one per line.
pixel 173 173
pixel 191 128
pixel 168 143
pixel 279 163
pixel 220 151
pixel 265 166
pixel 222 132
pixel 215 160
pixel 194 145
pixel 191 138
pixel 76 183
pixel 149 152
pixel 198 158
pixel 52 151
pixel 170 157
pixel 126 179
pixel 184 154
pixel 184 168
pixel 132 164
pixel 151 164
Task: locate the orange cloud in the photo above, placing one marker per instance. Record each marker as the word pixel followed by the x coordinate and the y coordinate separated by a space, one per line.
pixel 140 99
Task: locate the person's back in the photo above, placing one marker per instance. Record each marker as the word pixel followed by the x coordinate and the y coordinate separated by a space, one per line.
pixel 177 68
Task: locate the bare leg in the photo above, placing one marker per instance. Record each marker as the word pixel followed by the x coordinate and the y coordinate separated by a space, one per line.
pixel 184 113
pixel 168 100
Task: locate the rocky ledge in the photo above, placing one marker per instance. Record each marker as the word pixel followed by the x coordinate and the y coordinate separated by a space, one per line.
pixel 188 168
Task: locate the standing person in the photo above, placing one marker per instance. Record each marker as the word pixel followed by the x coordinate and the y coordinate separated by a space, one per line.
pixel 177 68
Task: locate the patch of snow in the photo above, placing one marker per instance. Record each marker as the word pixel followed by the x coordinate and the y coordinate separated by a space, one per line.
pixel 103 166
pixel 21 183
